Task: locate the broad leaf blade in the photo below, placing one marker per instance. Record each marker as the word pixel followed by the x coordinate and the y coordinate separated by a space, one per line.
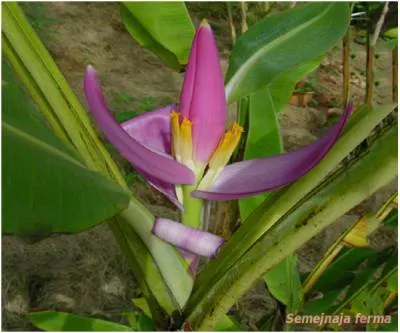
pixel 282 86
pixel 47 189
pixel 293 37
pixel 284 284
pixel 164 28
pixel 62 321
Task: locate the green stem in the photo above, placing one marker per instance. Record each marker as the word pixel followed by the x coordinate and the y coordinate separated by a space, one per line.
pixel 171 264
pixel 192 215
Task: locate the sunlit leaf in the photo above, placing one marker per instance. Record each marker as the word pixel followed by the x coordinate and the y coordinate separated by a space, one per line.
pixel 392 33
pixel 293 36
pixel 164 28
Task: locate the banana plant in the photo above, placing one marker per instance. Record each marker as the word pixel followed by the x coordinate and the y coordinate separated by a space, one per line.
pixel 183 150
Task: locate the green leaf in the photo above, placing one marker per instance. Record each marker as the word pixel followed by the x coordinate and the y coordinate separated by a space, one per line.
pixel 125 115
pixel 368 303
pixel 228 324
pixel 293 37
pixel 392 326
pixel 141 303
pixel 165 28
pixel 63 321
pixel 392 219
pixel 370 298
pixel 324 304
pixel 284 284
pixel 139 322
pixel 48 189
pixel 358 295
pixel 391 43
pixel 343 269
pixel 283 85
pixel 392 282
pixel 263 138
pixel 391 33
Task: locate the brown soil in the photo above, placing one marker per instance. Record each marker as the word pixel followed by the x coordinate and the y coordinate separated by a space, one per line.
pixel 87 273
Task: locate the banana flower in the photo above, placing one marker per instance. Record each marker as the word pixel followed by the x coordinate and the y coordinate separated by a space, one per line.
pixel 186 146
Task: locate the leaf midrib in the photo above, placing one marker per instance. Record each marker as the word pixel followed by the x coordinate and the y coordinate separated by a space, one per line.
pixel 40 144
pixel 243 70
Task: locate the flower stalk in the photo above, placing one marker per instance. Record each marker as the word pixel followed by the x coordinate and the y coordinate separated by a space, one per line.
pixel 192 214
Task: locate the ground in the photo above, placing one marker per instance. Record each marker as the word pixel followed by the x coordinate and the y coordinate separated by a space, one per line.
pixel 86 273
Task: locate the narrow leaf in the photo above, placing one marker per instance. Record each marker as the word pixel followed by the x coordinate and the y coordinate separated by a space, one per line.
pixel 263 139
pixel 142 305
